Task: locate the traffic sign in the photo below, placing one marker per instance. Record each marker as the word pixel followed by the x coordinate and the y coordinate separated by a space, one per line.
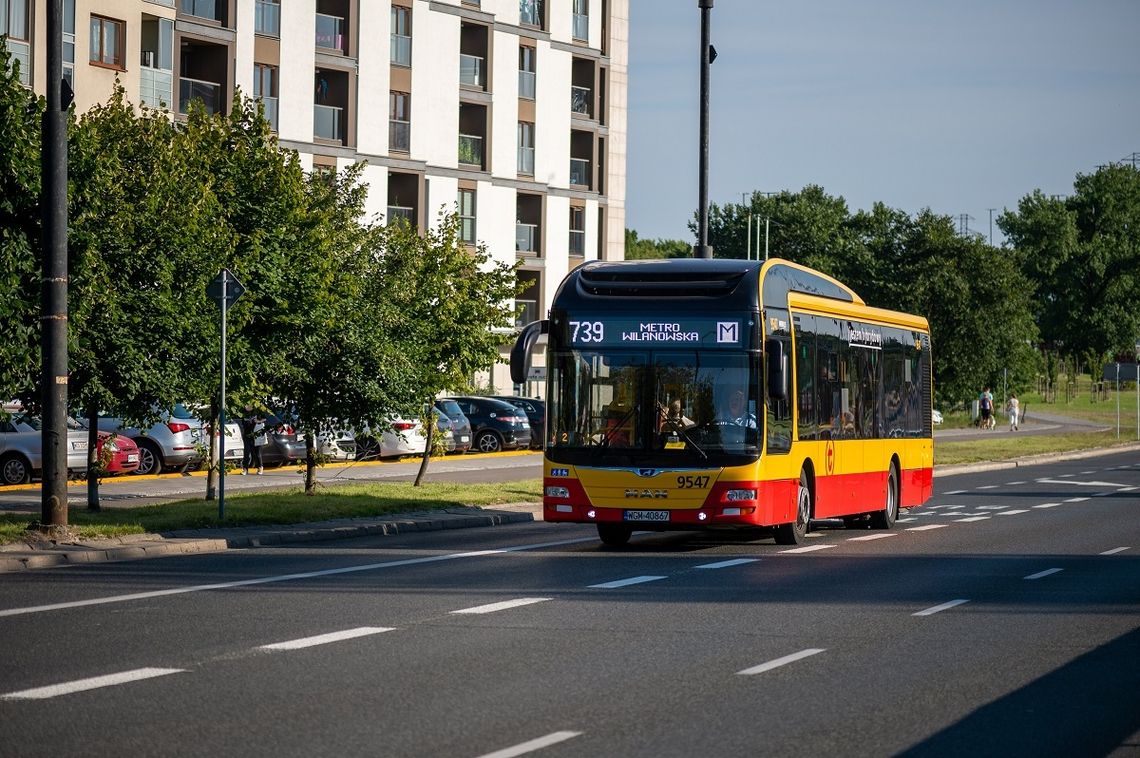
pixel 225 286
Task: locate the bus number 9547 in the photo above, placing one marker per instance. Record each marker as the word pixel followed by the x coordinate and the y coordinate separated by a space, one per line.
pixel 587 331
pixel 692 482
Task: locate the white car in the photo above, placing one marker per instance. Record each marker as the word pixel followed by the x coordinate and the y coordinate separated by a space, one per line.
pixel 404 436
pixel 21 448
pixel 936 416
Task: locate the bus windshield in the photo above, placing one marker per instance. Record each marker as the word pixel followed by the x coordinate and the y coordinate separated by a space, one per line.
pixel 670 406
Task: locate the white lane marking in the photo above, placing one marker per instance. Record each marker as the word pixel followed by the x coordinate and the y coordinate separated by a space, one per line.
pixel 1088 473
pixel 1045 573
pixel 939 608
pixel 280 578
pixel 1046 505
pixel 324 639
pixel 991 507
pixel 1013 512
pixel 1114 551
pixel 905 520
pixel 726 564
pixel 625 582
pixel 972 519
pixel 774 664
pixel 529 747
pixel 1080 484
pixel 1015 484
pixel 955 492
pixel 1076 500
pixel 987 487
pixel 504 605
pixel 808 549
pixel 869 537
pixel 1128 489
pixel 927 527
pixel 95 682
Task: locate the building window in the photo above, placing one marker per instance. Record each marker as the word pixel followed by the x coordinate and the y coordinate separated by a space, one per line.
pixel 577 231
pixel 267 18
pixel 15 28
pixel 265 88
pixel 532 12
pixel 200 8
pixel 107 41
pixel 581 29
pixel 526 72
pixel 399 122
pixel 68 41
pixel 526 148
pixel 401 35
pixel 467 216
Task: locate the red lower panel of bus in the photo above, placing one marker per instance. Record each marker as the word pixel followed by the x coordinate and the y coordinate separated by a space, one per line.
pixel 728 503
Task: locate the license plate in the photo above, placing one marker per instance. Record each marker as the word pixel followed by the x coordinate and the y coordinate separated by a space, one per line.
pixel 132 458
pixel 647 515
pixel 464 438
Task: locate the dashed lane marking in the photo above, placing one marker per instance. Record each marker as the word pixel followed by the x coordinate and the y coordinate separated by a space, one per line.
pixel 1076 500
pixel 784 661
pixel 927 527
pixel 1115 550
pixel 95 682
pixel 972 519
pixel 808 549
pixel 1013 512
pixel 529 747
pixel 625 582
pixel 1046 505
pixel 869 537
pixel 325 639
pixel 939 608
pixel 726 564
pixel 504 605
pixel 1045 573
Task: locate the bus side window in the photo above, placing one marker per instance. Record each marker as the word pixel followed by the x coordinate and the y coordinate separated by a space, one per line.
pixel 805 379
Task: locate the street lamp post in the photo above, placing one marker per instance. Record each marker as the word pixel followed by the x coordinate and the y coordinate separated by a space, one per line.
pixel 702 249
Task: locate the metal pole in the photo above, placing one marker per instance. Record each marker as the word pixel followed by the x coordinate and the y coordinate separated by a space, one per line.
pixel 766 223
pixel 748 238
pixel 1117 401
pixel 53 316
pixel 222 411
pixel 703 250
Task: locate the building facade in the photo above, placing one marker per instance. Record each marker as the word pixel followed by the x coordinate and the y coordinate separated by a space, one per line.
pixel 511 111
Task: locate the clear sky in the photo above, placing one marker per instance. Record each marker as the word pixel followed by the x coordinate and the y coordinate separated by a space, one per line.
pixel 957 106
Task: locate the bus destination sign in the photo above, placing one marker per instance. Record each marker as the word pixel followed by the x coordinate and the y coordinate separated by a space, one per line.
pixel 656 331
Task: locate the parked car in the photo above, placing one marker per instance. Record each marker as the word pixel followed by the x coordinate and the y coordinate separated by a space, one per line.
pixel 176 441
pixel 460 425
pixel 936 416
pixel 404 437
pixel 338 445
pixel 535 413
pixel 284 446
pixel 122 454
pixel 21 447
pixel 495 424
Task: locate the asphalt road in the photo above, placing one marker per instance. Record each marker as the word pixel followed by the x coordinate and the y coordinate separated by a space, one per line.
pixel 1003 618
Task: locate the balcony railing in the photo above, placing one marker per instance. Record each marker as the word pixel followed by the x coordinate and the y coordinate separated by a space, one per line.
pixel 580 172
pixel 400 136
pixel 581 27
pixel 402 214
pixel 581 100
pixel 471 149
pixel 471 70
pixel 526 85
pixel 327 122
pixel 267 18
pixel 330 32
pixel 156 87
pixel 270 104
pixel 526 161
pixel 577 242
pixel 194 89
pixel 401 50
pixel 526 238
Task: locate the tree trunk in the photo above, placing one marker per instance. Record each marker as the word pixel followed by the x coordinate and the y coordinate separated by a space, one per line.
pixel 94 470
pixel 427 448
pixel 310 465
pixel 217 443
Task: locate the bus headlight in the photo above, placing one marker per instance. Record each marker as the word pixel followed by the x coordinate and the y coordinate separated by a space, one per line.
pixel 561 493
pixel 734 496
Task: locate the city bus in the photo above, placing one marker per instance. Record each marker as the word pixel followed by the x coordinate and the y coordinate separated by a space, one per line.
pixel 693 394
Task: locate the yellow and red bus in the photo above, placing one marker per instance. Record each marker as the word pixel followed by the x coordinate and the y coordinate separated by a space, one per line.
pixel 691 394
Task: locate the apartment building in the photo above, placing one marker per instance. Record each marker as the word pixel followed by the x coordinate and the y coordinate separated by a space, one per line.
pixel 512 111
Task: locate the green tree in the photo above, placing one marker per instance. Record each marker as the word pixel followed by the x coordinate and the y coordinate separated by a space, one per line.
pixel 639 249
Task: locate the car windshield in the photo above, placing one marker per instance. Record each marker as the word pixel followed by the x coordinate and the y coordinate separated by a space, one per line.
pixel 36 424
pixel 450 407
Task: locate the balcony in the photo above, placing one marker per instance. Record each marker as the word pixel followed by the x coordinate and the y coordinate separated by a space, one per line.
pixel 327 123
pixel 471 71
pixel 400 136
pixel 270 104
pixel 200 8
pixel 526 85
pixel 577 242
pixel 267 19
pixel 210 93
pixel 156 87
pixel 581 100
pixel 401 50
pixel 581 29
pixel 401 214
pixel 471 150
pixel 526 238
pixel 330 32
pixel 526 161
pixel 580 172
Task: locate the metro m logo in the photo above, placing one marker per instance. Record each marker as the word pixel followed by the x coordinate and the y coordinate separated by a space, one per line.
pixel 728 331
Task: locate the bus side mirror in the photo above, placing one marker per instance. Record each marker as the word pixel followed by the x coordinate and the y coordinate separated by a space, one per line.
pixel 520 353
pixel 777 365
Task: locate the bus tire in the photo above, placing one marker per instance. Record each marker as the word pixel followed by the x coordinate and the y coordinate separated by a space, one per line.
pixel 614 535
pixel 886 518
pixel 796 532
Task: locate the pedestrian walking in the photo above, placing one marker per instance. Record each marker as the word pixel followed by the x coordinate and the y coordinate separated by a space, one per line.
pixel 252 438
pixel 986 409
pixel 1014 409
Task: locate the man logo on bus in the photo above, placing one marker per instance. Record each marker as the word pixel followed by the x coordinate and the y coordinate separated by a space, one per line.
pixel 727 331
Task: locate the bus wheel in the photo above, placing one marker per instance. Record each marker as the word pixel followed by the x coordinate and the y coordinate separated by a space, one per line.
pixel 614 535
pixel 796 532
pixel 885 518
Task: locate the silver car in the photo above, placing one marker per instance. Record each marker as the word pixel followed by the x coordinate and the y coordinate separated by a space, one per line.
pixel 21 449
pixel 177 440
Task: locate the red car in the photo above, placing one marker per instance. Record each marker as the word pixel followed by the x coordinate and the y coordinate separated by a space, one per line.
pixel 122 456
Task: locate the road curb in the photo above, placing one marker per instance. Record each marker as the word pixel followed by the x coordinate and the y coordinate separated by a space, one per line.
pixel 48 554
